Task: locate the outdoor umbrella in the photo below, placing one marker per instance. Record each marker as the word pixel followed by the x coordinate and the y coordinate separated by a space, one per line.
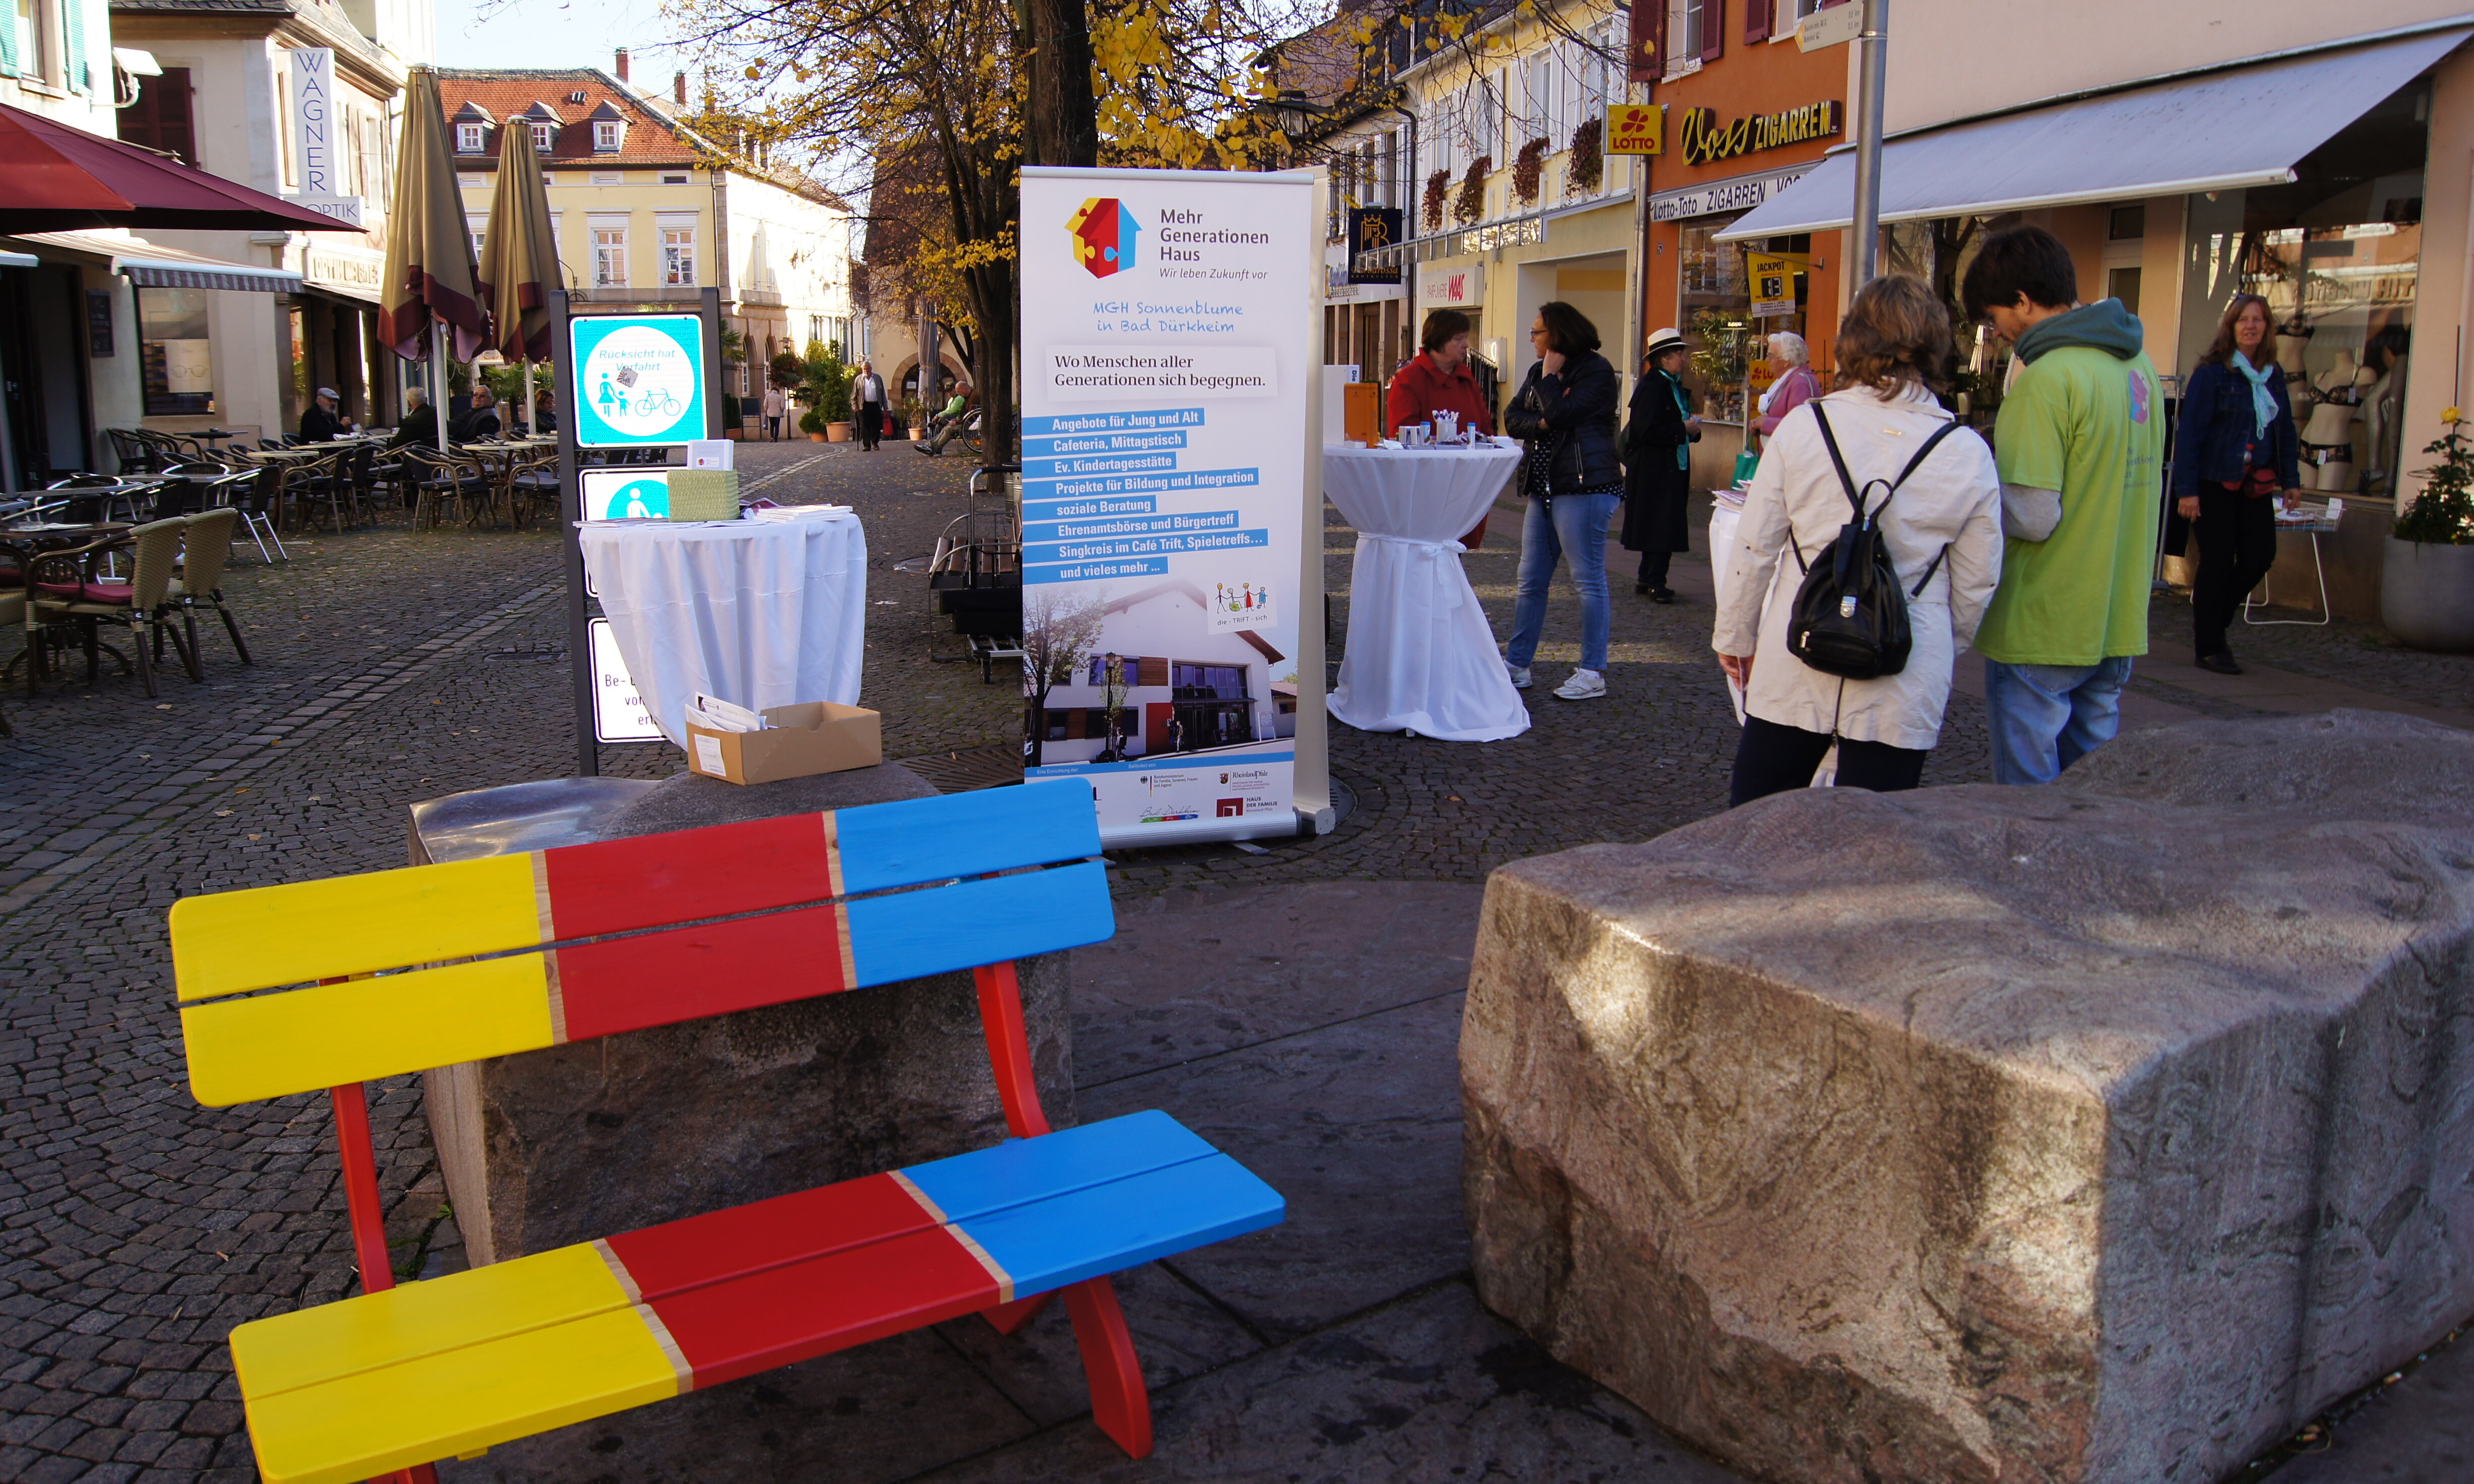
pixel 54 178
pixel 429 283
pixel 519 257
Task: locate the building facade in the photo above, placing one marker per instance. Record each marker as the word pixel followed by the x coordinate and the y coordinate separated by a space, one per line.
pixel 296 98
pixel 2317 157
pixel 646 207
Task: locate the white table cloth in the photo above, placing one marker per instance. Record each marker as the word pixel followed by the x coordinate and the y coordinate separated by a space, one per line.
pixel 758 612
pixel 1420 656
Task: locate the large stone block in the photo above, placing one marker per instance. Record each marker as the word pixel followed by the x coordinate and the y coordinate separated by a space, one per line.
pixel 549 1148
pixel 2103 1131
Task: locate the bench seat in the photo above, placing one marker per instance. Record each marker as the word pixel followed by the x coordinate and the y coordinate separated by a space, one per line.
pixel 375 1384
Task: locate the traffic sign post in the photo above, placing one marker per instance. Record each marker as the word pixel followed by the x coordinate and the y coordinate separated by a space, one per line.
pixel 1867 24
pixel 638 383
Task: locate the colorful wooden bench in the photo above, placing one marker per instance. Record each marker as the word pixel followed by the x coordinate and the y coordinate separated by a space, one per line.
pixel 329 983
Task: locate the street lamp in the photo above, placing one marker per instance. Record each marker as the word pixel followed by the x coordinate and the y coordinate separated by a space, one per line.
pixel 1114 695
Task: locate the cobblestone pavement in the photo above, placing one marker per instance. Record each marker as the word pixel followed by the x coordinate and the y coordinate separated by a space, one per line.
pixel 136 1228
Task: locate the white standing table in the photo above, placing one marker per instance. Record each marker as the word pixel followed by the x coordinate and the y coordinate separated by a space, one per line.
pixel 757 612
pixel 1420 656
pixel 1722 556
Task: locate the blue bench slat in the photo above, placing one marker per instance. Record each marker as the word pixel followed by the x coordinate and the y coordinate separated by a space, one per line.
pixel 914 841
pixel 1107 1228
pixel 1020 1171
pixel 913 933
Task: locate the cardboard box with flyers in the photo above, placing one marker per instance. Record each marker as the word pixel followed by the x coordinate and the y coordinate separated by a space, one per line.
pixel 815 737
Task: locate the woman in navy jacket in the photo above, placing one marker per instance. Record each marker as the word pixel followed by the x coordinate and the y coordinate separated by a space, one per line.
pixel 2238 446
pixel 1566 412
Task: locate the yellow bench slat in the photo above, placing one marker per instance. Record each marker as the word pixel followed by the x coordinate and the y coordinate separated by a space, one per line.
pixel 287 1352
pixel 476 1397
pixel 244 1050
pixel 255 939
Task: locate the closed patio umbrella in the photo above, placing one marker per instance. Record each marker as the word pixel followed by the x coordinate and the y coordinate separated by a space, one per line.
pixel 430 285
pixel 519 256
pixel 54 178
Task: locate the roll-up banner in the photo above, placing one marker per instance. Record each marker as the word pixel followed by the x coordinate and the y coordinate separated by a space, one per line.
pixel 1171 614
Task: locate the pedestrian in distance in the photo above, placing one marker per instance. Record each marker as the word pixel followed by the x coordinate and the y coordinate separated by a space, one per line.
pixel 2235 448
pixel 1793 387
pixel 774 408
pixel 1940 520
pixel 320 422
pixel 2080 441
pixel 867 390
pixel 1566 414
pixel 1658 463
pixel 1437 380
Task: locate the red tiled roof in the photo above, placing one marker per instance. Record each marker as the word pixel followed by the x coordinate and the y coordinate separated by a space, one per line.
pixel 650 138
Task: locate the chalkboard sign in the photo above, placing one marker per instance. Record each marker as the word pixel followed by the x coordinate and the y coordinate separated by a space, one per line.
pixel 98 320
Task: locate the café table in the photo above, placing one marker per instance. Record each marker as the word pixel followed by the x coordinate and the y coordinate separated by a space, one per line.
pixel 1420 657
pixel 22 541
pixel 1726 513
pixel 758 612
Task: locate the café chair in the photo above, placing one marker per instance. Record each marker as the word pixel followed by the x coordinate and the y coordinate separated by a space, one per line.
pixel 207 547
pixel 445 483
pixel 67 586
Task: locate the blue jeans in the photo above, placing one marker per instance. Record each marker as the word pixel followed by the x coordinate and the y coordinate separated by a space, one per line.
pixel 2045 718
pixel 1574 526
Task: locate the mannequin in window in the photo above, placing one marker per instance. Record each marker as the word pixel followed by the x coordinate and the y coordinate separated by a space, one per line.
pixel 2328 437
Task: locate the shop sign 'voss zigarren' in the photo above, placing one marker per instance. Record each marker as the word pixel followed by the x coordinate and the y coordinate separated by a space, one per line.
pixel 1704 139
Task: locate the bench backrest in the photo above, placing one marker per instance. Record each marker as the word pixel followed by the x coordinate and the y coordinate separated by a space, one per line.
pixel 290 988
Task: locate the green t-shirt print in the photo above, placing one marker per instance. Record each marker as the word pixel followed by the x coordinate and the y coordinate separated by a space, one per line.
pixel 2086 423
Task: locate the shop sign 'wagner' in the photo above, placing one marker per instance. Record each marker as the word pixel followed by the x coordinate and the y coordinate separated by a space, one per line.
pixel 1704 140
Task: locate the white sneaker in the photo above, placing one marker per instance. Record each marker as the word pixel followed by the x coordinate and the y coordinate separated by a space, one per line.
pixel 1584 686
pixel 1519 676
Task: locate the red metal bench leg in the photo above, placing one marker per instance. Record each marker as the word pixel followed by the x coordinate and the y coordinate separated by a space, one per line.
pixel 1118 1402
pixel 1009 1318
pixel 1009 1049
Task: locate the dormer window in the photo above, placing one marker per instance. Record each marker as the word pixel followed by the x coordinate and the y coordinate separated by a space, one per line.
pixel 468 139
pixel 542 136
pixel 606 136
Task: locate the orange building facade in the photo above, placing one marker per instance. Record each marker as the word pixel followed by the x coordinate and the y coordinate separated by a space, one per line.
pixel 1747 112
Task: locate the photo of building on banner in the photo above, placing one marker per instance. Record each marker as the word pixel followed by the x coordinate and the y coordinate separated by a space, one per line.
pixel 1166 369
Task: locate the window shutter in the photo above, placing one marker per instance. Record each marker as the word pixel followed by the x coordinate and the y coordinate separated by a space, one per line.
pixel 9 44
pixel 1758 14
pixel 1647 41
pixel 174 131
pixel 73 68
pixel 1714 30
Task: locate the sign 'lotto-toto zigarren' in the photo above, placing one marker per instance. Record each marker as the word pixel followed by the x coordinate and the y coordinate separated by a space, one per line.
pixel 1704 140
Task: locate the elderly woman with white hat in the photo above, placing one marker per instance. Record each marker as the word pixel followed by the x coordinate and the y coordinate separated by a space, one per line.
pixel 1658 463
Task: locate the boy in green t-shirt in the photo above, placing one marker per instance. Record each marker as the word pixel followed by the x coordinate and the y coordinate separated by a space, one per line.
pixel 2080 443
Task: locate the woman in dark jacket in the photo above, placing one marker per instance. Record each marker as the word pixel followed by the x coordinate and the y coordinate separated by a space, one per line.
pixel 1657 463
pixel 1566 412
pixel 2237 447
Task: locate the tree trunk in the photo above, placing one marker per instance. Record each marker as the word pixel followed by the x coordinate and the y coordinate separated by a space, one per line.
pixel 1062 125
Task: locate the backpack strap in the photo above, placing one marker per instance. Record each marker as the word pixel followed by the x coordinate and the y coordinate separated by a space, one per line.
pixel 1847 482
pixel 1839 460
pixel 1932 567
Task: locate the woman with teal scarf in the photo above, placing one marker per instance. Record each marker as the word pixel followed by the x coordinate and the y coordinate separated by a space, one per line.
pixel 2236 448
pixel 1658 463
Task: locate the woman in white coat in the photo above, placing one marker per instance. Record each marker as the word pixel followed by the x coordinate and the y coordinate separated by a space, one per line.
pixel 1894 348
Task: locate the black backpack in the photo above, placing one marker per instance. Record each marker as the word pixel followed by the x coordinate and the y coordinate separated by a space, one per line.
pixel 1850 620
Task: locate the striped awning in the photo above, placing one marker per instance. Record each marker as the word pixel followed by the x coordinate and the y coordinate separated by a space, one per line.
pixel 153 265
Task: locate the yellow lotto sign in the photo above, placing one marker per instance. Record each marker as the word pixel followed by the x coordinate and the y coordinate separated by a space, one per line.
pixel 1635 129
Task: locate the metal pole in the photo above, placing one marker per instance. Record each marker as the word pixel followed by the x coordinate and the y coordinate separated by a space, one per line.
pixel 1873 62
pixel 571 508
pixel 437 376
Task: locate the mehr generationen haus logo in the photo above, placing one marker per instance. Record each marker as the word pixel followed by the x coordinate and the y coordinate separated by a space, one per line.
pixel 1104 235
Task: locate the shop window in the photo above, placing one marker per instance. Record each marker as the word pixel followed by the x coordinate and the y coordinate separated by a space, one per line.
pixel 1192 682
pixel 1716 306
pixel 2343 298
pixel 176 353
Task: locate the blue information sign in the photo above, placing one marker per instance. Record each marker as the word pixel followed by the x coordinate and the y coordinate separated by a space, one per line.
pixel 640 380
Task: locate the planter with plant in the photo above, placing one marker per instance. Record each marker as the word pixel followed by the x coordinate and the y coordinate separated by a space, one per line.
pixel 2427 582
pixel 1439 191
pixel 1529 169
pixel 825 385
pixel 812 424
pixel 1587 165
pixel 1470 204
pixel 914 418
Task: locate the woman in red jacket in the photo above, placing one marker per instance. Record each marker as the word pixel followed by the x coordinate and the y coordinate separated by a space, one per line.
pixel 1437 379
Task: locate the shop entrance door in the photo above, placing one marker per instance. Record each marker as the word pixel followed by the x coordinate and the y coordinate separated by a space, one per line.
pixel 1155 730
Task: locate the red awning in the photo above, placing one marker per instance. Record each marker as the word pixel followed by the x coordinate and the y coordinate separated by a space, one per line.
pixel 54 178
